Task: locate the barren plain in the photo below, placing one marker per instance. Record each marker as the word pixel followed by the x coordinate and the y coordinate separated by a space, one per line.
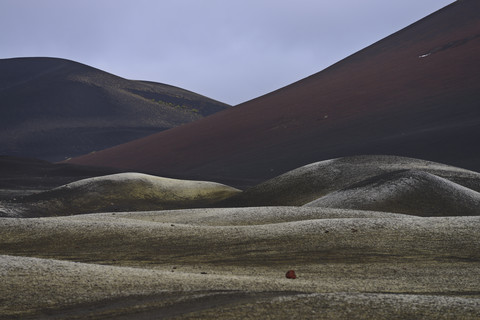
pixel 231 262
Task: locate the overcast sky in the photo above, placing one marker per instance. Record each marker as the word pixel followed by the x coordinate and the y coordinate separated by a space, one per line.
pixel 231 51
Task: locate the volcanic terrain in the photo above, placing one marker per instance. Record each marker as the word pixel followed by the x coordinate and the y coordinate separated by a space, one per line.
pixel 360 200
pixel 55 108
pixel 413 252
pixel 415 93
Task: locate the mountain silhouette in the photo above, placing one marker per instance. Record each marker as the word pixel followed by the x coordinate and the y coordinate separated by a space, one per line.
pixel 54 108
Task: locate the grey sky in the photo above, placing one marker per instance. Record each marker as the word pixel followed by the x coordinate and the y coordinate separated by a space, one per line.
pixel 231 51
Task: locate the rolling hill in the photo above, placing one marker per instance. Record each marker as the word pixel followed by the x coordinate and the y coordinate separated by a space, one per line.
pixel 408 192
pixel 316 180
pixel 415 93
pixel 388 185
pixel 128 191
pixel 53 108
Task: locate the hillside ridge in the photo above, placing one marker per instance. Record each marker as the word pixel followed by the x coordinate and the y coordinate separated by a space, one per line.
pixel 54 108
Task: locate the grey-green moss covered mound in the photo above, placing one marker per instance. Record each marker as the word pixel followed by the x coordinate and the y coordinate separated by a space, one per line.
pixel 409 192
pixel 120 192
pixel 308 183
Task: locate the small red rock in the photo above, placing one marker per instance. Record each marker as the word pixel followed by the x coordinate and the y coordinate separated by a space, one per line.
pixel 291 274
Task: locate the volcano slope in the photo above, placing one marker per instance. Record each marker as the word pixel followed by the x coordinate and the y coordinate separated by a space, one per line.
pixel 55 108
pixel 414 93
pixel 231 263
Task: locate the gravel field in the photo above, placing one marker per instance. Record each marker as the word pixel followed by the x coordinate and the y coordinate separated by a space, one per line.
pixel 368 237
pixel 157 264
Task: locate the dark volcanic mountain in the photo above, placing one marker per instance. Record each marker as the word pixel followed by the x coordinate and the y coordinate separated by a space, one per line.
pixel 55 108
pixel 415 93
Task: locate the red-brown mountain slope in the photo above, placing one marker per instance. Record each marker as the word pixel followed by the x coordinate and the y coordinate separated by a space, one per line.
pixel 415 93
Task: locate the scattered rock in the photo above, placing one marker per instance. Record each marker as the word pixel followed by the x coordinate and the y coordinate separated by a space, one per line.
pixel 291 274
